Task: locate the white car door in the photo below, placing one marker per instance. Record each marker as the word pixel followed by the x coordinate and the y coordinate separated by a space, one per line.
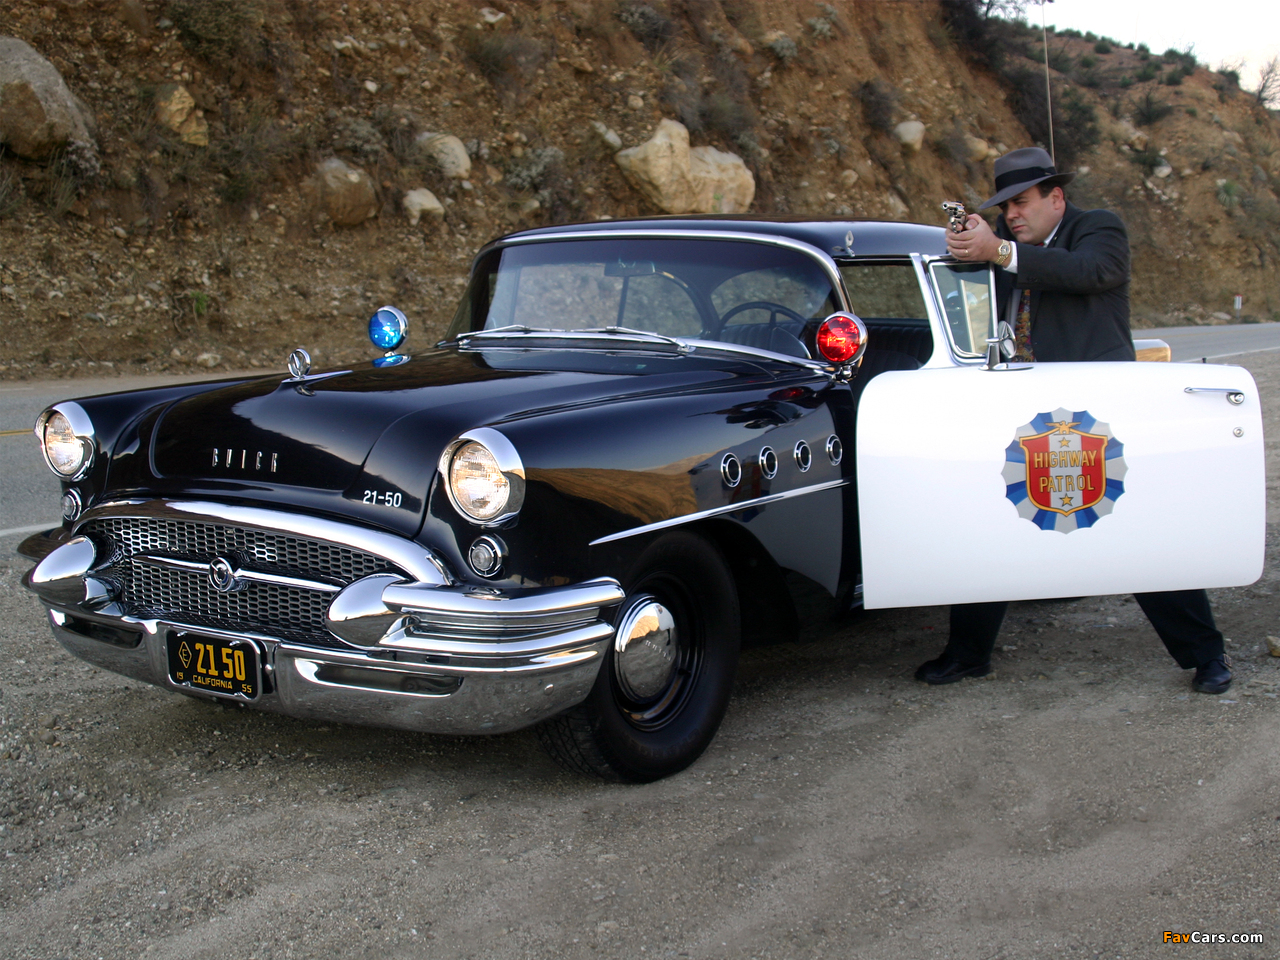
pixel 1060 480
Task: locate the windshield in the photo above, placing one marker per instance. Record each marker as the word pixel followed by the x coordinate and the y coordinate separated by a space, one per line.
pixel 751 294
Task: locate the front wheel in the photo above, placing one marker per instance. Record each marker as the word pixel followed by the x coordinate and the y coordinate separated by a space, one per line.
pixel 664 685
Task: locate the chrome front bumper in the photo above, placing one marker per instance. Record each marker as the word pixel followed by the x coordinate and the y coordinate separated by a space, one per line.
pixel 426 654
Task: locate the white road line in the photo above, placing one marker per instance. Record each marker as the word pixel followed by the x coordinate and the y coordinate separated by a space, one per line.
pixel 14 531
pixel 1234 353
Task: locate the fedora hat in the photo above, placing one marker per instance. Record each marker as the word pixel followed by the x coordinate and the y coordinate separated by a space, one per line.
pixel 1020 169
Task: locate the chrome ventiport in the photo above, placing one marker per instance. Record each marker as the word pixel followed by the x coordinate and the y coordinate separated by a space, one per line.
pixel 730 470
pixel 768 463
pixel 803 455
pixel 644 649
pixel 835 449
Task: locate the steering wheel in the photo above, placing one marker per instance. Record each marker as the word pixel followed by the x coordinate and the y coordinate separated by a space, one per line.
pixel 773 308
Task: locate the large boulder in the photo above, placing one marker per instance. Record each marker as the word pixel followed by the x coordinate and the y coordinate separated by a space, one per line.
pixel 347 193
pixel 176 109
pixel 680 179
pixel 449 153
pixel 39 115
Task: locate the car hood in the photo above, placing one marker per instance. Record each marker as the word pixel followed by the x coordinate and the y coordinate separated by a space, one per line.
pixel 321 432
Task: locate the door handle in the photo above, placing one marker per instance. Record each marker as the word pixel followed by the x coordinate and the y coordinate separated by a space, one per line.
pixel 1233 395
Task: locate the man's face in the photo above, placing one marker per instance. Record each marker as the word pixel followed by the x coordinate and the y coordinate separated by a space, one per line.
pixel 1032 217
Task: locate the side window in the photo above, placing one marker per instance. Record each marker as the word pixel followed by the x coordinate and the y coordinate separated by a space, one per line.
pixel 885 291
pixel 965 292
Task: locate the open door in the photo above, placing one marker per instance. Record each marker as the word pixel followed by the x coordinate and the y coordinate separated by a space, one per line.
pixel 1058 480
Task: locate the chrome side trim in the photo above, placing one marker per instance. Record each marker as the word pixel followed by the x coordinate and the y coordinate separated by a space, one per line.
pixel 416 560
pixel 240 573
pixel 718 511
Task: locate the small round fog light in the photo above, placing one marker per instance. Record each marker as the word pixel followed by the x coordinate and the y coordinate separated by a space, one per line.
pixel 486 555
pixel 71 505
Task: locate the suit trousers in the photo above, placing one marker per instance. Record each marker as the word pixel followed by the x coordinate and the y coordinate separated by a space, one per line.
pixel 1182 619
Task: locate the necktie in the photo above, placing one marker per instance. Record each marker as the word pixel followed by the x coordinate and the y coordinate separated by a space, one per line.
pixel 1022 328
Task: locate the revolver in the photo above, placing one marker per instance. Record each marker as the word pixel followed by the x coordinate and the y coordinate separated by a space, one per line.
pixel 956 214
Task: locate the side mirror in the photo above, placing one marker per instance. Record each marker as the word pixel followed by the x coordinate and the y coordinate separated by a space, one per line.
pixel 1001 347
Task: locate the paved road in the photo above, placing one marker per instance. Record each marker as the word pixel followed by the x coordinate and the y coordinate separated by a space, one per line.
pixel 1192 343
pixel 29 494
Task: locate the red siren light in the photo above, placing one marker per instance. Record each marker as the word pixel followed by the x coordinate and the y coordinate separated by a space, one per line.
pixel 842 338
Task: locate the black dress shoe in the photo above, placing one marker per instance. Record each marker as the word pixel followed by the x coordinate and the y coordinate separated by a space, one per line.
pixel 1212 677
pixel 948 670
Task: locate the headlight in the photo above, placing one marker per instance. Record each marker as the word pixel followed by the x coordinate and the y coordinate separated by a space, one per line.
pixel 477 481
pixel 484 475
pixel 66 437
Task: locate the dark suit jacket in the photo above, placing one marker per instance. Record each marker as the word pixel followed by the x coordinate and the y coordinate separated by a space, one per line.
pixel 1079 287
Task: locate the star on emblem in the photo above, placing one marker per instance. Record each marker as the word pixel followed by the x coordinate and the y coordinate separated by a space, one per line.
pixel 1066 500
pixel 1064 441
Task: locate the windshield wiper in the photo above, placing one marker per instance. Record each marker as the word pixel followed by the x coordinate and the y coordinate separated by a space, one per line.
pixel 649 335
pixel 520 329
pixel 466 335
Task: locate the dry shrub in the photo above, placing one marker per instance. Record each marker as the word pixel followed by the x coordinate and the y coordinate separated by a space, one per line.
pixel 222 32
pixel 506 60
pixel 879 103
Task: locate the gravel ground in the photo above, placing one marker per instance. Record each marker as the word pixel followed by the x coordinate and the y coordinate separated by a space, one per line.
pixel 1079 803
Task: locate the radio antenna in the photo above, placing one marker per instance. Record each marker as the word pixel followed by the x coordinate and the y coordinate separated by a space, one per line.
pixel 1048 89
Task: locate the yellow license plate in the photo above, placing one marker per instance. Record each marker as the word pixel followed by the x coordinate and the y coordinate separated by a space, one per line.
pixel 214 664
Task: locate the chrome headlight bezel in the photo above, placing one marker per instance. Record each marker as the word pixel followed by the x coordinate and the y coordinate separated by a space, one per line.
pixel 508 463
pixel 81 428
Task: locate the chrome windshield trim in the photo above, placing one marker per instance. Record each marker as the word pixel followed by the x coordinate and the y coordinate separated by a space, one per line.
pixel 240 573
pixel 414 559
pixel 719 511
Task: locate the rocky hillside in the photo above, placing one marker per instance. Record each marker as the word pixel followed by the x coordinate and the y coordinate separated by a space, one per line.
pixel 237 177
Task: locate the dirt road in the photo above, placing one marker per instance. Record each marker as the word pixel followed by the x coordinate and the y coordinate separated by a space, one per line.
pixel 1079 803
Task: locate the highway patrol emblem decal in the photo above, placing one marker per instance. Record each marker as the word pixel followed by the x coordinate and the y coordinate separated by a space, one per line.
pixel 1064 470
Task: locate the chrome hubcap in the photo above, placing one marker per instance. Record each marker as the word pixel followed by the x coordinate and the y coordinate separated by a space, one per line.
pixel 645 649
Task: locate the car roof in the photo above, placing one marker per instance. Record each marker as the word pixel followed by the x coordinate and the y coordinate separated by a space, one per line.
pixel 871 238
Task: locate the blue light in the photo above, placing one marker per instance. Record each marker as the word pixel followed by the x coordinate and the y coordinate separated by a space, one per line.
pixel 387 328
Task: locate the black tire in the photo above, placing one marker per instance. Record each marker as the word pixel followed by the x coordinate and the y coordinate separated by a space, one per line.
pixel 617 736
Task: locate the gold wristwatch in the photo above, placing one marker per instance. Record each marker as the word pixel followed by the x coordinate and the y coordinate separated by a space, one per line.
pixel 1004 254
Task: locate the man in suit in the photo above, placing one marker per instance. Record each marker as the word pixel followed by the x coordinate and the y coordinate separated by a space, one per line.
pixel 1063 284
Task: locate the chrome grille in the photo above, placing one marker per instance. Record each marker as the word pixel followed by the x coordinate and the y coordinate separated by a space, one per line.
pixel 187 596
pixel 204 541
